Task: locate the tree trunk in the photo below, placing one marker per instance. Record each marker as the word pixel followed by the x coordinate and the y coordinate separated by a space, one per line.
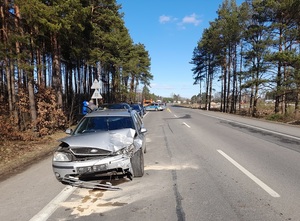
pixel 17 44
pixel 279 76
pixel 255 99
pixel 297 104
pixel 13 94
pixel 31 97
pixel 210 85
pixel 228 80
pixel 284 100
pixel 44 70
pixel 224 87
pixel 9 89
pixel 56 72
pixel 240 79
pixel 132 87
pixel 251 98
pixel 2 37
pixel 206 90
pixel 40 80
pixel 77 79
pixel 234 82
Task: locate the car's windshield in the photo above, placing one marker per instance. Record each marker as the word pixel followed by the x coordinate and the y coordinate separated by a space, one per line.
pixel 103 123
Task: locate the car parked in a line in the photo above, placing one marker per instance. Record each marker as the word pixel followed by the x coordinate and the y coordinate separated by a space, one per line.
pixel 153 107
pixel 138 107
pixel 163 105
pixel 105 143
pixel 115 106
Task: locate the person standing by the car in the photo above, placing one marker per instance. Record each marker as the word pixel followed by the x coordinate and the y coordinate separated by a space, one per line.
pixel 91 105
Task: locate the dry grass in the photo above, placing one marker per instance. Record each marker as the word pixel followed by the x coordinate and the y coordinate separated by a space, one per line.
pixel 264 111
pixel 15 156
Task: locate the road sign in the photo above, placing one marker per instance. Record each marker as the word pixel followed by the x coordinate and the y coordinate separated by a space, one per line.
pixel 96 94
pixel 96 84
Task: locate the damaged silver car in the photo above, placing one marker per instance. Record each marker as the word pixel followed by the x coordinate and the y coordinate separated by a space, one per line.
pixel 104 143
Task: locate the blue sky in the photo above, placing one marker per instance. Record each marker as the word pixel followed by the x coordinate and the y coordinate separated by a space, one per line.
pixel 170 30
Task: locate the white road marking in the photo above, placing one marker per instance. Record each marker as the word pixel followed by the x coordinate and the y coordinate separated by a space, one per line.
pixel 186 125
pixel 175 115
pixel 250 175
pixel 50 208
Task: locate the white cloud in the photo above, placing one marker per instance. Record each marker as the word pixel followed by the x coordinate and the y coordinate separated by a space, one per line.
pixel 191 19
pixel 164 19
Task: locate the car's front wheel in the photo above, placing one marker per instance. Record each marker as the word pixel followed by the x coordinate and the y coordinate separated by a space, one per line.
pixel 137 163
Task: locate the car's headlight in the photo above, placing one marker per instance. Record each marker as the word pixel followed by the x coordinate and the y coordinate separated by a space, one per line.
pixel 62 156
pixel 125 150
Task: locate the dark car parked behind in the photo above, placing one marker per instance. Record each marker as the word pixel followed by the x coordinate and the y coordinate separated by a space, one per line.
pixel 138 108
pixel 115 106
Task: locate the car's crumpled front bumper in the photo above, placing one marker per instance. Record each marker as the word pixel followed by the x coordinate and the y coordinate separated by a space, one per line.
pixel 73 181
pixel 94 162
pixel 119 165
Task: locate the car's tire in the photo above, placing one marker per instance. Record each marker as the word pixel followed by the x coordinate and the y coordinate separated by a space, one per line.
pixel 137 163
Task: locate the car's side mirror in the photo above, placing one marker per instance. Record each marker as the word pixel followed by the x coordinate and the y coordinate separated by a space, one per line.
pixel 69 131
pixel 143 130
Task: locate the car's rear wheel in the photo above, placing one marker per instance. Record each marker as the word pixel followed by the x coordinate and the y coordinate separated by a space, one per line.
pixel 137 163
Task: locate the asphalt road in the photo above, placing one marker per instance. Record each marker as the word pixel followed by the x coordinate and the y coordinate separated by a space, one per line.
pixel 199 165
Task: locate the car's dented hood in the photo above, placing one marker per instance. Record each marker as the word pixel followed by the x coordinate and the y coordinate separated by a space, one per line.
pixel 107 140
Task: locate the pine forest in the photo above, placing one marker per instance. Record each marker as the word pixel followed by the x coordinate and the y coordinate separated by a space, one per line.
pixel 51 52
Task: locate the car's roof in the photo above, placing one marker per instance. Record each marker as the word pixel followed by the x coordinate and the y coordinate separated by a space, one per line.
pixel 116 105
pixel 135 105
pixel 110 112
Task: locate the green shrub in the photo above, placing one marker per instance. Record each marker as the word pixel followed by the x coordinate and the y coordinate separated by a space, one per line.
pixel 275 117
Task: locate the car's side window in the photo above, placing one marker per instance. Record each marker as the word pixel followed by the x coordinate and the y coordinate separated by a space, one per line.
pixel 138 121
pixel 135 121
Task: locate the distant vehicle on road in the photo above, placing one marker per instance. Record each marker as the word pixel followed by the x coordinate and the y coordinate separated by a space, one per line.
pixel 147 102
pixel 154 107
pixel 162 105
